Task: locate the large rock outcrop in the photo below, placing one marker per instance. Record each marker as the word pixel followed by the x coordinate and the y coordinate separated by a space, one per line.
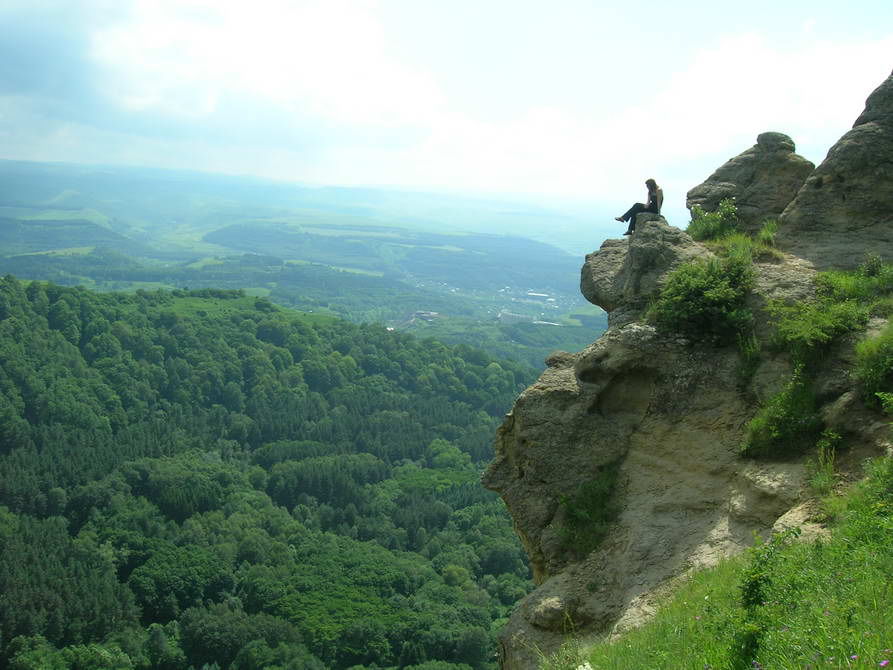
pixel 623 275
pixel 845 208
pixel 763 180
pixel 668 415
pixel 672 415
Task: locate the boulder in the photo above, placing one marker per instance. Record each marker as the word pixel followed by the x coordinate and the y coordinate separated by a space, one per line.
pixel 844 209
pixel 762 180
pixel 624 274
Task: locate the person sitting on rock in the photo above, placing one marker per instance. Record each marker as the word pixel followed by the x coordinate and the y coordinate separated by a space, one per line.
pixel 655 200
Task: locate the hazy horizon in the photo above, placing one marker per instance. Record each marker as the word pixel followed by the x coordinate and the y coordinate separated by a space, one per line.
pixel 571 106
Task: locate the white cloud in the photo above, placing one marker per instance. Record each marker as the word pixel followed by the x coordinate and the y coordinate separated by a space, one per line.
pixel 697 118
pixel 323 58
pixel 318 90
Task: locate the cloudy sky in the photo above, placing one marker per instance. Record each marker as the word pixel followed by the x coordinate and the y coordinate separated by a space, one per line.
pixel 542 98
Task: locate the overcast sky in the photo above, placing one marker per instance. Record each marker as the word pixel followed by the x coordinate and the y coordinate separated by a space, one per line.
pixel 542 98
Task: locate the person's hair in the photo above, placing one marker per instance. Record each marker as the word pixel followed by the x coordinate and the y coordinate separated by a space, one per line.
pixel 651 184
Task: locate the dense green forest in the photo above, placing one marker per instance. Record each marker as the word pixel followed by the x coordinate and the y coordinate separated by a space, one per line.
pixel 469 317
pixel 201 479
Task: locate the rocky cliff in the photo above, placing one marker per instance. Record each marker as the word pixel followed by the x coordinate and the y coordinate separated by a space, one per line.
pixel 844 209
pixel 662 417
pixel 762 180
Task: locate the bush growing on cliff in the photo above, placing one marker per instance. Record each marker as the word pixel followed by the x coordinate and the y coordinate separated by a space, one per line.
pixel 844 302
pixel 704 299
pixel 874 365
pixel 713 225
pixel 806 329
pixel 788 424
pixel 589 512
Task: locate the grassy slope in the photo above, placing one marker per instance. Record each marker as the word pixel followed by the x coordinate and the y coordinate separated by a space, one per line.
pixel 784 604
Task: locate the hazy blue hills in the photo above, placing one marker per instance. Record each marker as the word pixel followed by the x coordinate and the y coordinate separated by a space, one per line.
pixel 170 198
pixel 419 262
pixel 43 235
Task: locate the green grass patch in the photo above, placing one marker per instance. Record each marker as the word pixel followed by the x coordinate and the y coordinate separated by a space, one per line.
pixel 713 225
pixel 782 605
pixel 210 307
pixel 749 349
pixel 820 468
pixel 350 232
pixel 88 214
pixel 257 291
pixel 357 271
pixel 66 251
pixel 788 423
pixel 874 365
pixel 744 246
pixel 766 234
pixel 205 262
pixel 866 285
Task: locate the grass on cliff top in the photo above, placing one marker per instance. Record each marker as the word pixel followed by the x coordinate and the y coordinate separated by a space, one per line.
pixel 705 299
pixel 782 605
pixel 713 225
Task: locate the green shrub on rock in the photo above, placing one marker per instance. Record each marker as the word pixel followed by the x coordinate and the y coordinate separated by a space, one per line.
pixel 789 423
pixel 589 512
pixel 713 225
pixel 805 329
pixel 874 365
pixel 705 299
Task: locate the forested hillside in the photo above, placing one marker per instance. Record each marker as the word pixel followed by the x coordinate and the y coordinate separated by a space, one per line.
pixel 202 479
pixel 342 252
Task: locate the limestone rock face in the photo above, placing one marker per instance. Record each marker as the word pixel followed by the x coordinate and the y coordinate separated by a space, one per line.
pixel 625 273
pixel 763 180
pixel 845 208
pixel 672 414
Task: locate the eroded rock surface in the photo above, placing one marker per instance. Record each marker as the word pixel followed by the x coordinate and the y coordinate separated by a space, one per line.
pixel 670 414
pixel 763 180
pixel 624 274
pixel 845 208
pixel 673 415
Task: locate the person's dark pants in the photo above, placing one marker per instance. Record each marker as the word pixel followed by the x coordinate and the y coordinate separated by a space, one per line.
pixel 630 214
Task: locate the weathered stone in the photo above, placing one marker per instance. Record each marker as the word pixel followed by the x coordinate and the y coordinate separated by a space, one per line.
pixel 673 416
pixel 762 180
pixel 844 209
pixel 624 274
pixel 553 612
pixel 673 413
